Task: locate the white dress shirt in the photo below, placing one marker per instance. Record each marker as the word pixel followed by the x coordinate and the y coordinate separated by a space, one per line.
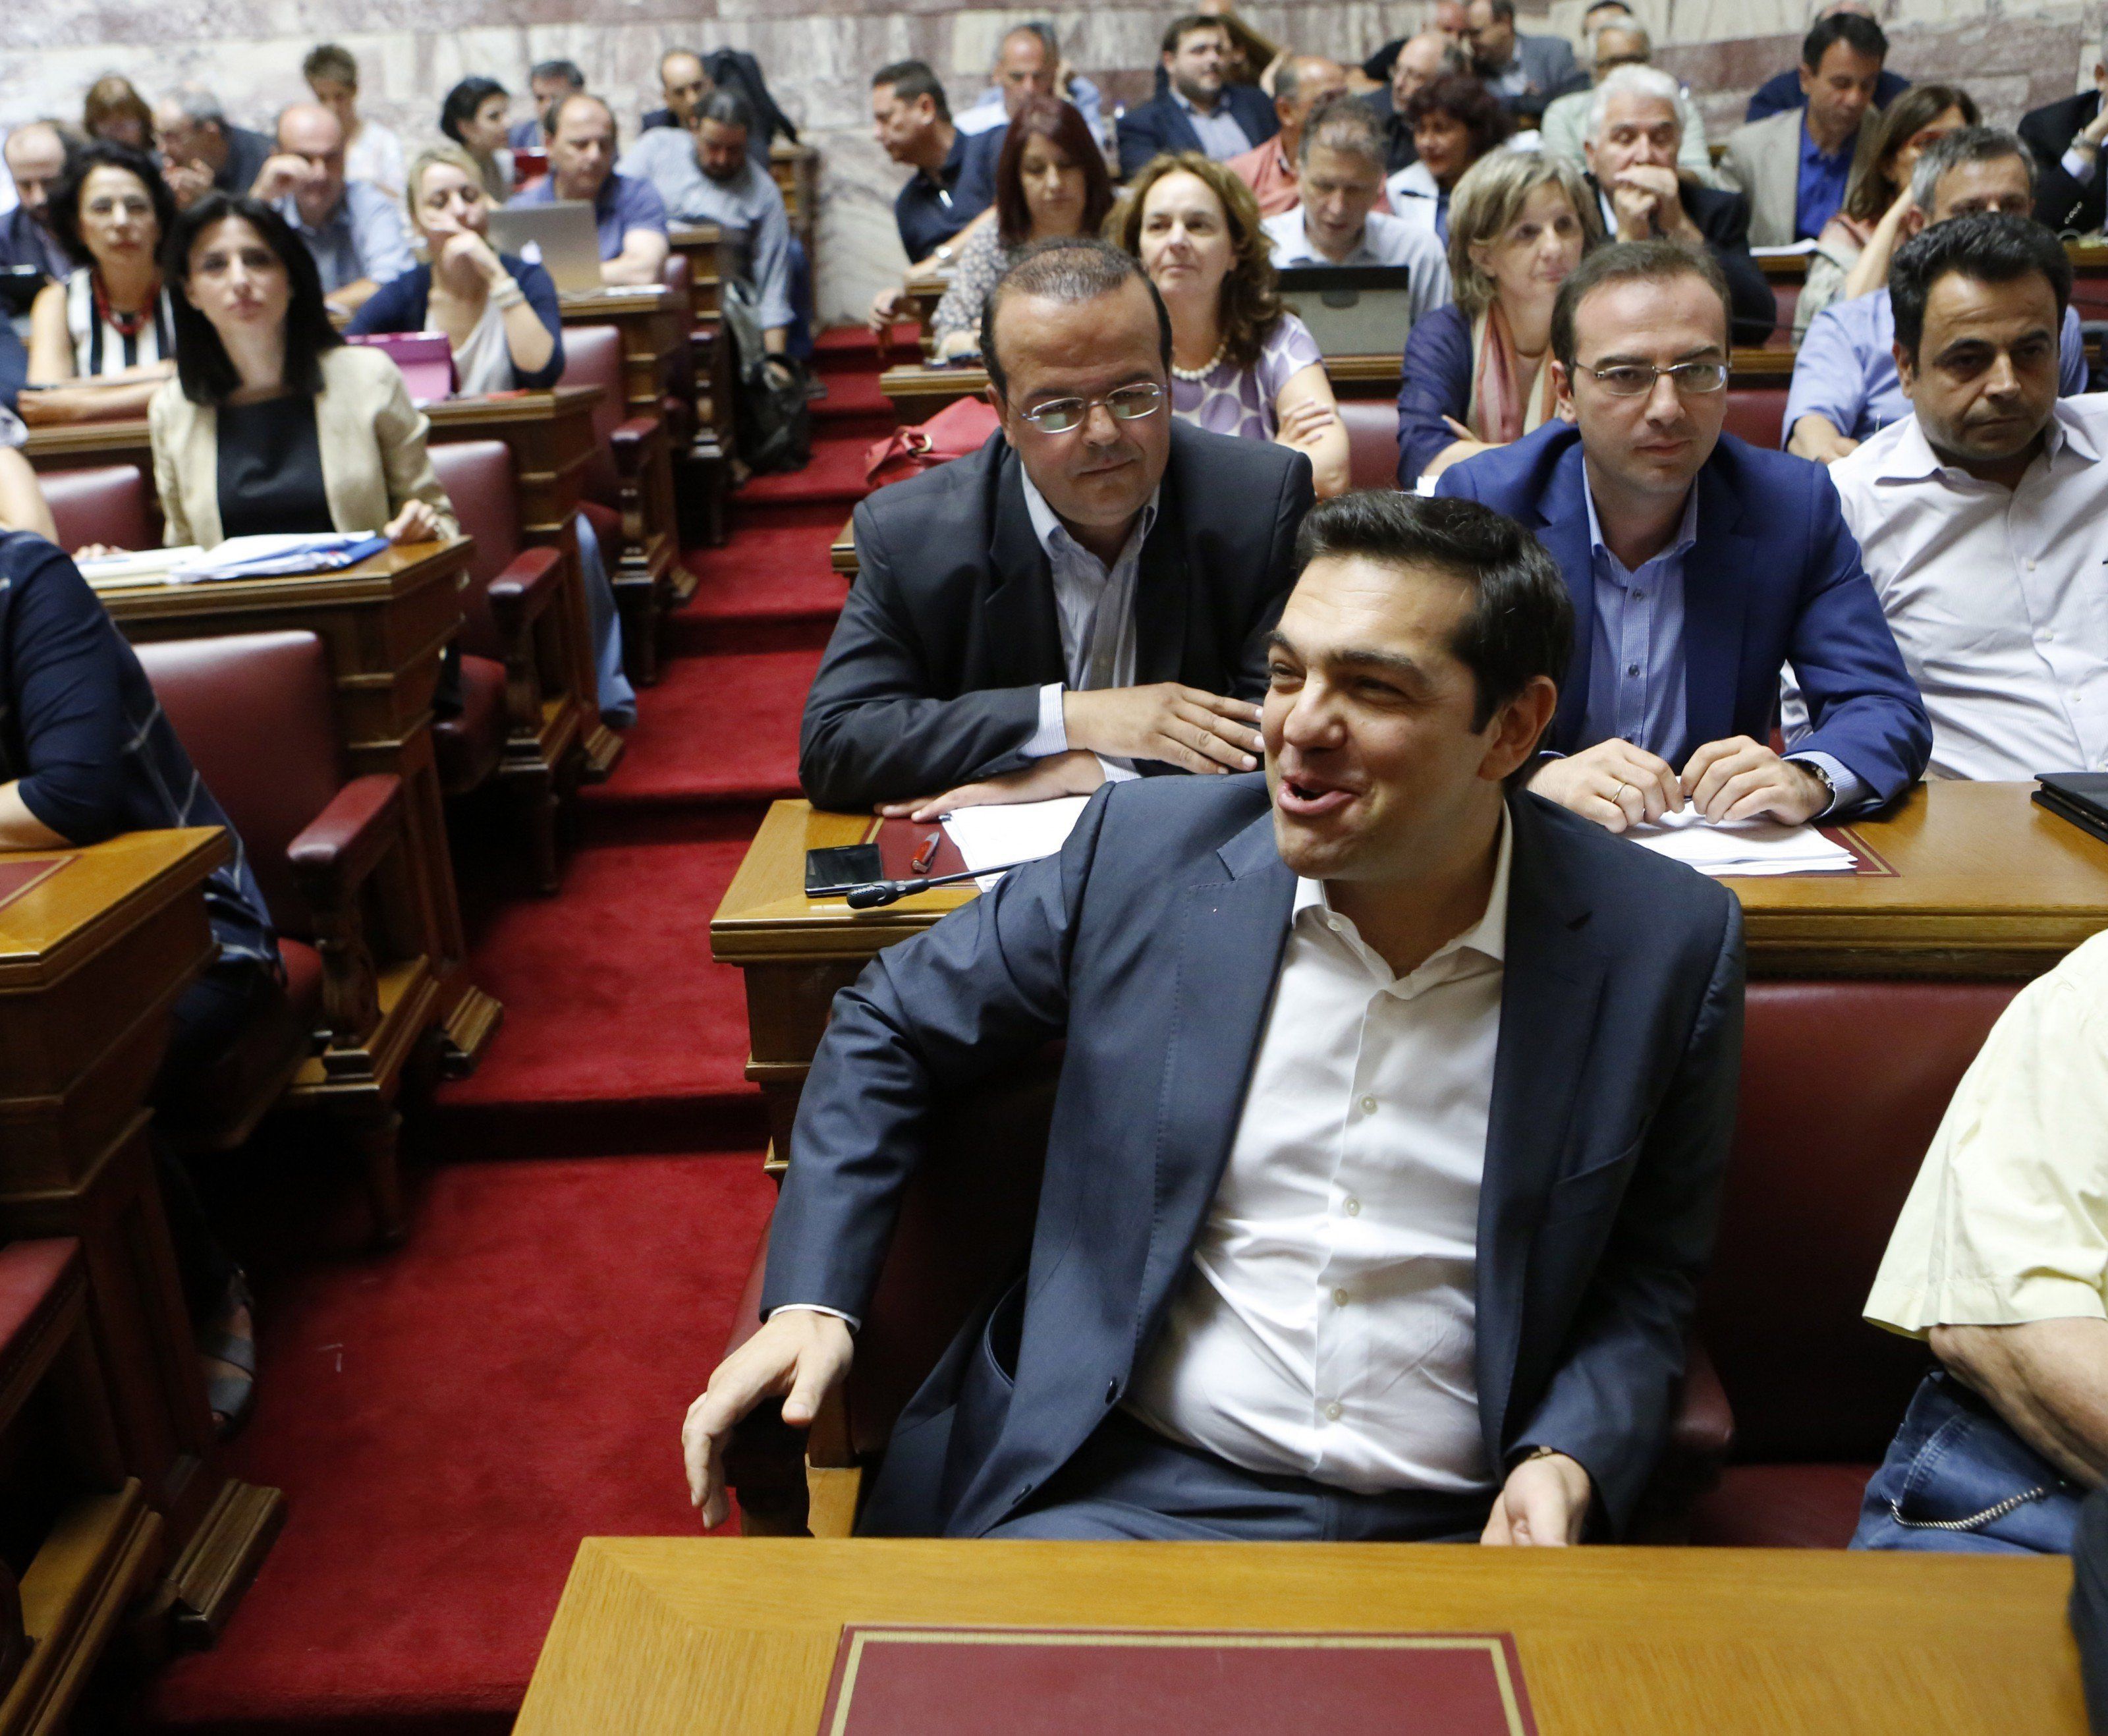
pixel 1327 1327
pixel 1096 608
pixel 1998 599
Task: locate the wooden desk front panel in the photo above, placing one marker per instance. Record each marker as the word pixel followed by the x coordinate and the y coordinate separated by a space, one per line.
pixel 738 1635
pixel 653 328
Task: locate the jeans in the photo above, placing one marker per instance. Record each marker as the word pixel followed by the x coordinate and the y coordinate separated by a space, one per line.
pixel 1956 1477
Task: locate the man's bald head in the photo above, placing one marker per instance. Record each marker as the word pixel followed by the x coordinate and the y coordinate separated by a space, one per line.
pixel 1422 58
pixel 308 129
pixel 1024 67
pixel 685 82
pixel 1301 82
pixel 35 154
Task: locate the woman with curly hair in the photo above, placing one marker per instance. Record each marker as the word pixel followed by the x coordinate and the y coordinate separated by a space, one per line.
pixel 1455 121
pixel 1050 180
pixel 1241 364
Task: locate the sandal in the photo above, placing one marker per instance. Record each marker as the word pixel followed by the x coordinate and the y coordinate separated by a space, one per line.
pixel 231 1394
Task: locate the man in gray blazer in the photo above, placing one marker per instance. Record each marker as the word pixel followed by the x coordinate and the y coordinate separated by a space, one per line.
pixel 1525 72
pixel 1793 166
pixel 1389 1131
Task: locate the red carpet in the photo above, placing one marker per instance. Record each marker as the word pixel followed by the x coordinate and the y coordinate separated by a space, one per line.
pixel 447 1422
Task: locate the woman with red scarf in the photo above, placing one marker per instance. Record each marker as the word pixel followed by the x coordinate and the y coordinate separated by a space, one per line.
pixel 1479 374
pixel 101 342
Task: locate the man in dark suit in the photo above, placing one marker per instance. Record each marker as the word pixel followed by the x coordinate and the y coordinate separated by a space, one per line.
pixel 1086 596
pixel 1699 567
pixel 1632 140
pixel 1200 111
pixel 2071 192
pixel 1390 1125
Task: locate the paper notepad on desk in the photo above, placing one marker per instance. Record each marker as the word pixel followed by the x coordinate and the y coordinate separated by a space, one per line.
pixel 997 837
pixel 237 558
pixel 1743 846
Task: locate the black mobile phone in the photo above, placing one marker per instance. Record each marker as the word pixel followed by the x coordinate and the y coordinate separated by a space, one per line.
pixel 829 873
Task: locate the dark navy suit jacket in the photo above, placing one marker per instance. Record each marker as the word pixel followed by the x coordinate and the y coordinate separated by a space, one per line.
pixel 1151 944
pixel 1160 125
pixel 1773 579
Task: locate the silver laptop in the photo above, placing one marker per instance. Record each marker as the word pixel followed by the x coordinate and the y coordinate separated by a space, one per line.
pixel 562 238
pixel 1352 310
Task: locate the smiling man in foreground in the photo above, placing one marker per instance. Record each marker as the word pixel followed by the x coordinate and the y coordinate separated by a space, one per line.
pixel 1351 1049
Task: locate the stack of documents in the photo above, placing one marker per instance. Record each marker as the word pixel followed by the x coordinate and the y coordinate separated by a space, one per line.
pixel 270 556
pixel 1023 832
pixel 134 566
pixel 1743 846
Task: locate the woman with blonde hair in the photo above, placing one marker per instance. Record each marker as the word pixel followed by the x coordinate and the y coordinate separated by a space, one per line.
pixel 1241 364
pixel 1478 375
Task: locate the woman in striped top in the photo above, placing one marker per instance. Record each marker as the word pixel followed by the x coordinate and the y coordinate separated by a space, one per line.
pixel 101 342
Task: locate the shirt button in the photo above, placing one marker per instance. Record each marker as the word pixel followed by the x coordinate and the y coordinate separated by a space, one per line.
pixel 1353 1208
pixel 1332 1413
pixel 1339 1298
pixel 2047 635
pixel 2031 565
pixel 1368 1106
pixel 1632 669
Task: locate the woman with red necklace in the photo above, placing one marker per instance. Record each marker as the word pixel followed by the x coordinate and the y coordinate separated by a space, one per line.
pixel 101 343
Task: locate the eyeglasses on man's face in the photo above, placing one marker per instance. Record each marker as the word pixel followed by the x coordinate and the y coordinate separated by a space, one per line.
pixel 1636 379
pixel 1129 404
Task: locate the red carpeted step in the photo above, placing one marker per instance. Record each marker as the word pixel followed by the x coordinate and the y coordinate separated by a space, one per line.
pixel 834 476
pixel 768 573
pixel 849 395
pixel 716 729
pixel 448 1421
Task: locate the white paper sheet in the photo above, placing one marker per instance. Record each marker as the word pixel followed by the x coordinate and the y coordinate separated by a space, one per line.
pixel 1021 831
pixel 139 566
pixel 1743 847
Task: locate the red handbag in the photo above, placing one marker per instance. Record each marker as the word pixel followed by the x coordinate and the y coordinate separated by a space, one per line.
pixel 952 433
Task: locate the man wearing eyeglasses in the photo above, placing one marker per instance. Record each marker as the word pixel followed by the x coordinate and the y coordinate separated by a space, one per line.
pixel 1699 567
pixel 1087 597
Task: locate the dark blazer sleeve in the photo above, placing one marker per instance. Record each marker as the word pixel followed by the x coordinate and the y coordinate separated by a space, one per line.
pixel 1297 495
pixel 1608 1404
pixel 984 988
pixel 1724 218
pixel 14 364
pixel 540 288
pixel 1864 708
pixel 1436 382
pixel 2060 202
pixel 1780 91
pixel 1255 111
pixel 1147 130
pixel 398 305
pixel 873 729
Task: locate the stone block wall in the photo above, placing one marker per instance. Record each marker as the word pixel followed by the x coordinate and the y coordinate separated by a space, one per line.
pixel 2013 53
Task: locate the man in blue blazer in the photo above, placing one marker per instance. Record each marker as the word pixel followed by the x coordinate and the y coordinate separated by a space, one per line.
pixel 1699 567
pixel 1199 110
pixel 1389 1131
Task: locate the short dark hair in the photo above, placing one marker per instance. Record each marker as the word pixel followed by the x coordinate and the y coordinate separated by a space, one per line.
pixel 912 80
pixel 331 62
pixel 203 367
pixel 1521 623
pixel 1062 126
pixel 1861 35
pixel 1627 262
pixel 1466 101
pixel 567 71
pixel 1067 268
pixel 461 102
pixel 728 108
pixel 1990 246
pixel 1182 28
pixel 1503 10
pixel 101 153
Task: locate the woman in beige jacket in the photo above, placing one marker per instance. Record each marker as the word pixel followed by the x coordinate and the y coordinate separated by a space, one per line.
pixel 272 423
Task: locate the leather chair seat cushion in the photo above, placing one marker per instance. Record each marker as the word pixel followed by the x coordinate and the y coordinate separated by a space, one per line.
pixel 214 1109
pixel 1371 426
pixel 469 746
pixel 1781 1507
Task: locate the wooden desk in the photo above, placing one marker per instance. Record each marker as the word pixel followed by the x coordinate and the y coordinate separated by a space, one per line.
pixel 841 553
pixel 923 296
pixel 1986 885
pixel 653 326
pixel 715 255
pixel 92 960
pixel 739 1635
pixel 383 624
pixel 797 171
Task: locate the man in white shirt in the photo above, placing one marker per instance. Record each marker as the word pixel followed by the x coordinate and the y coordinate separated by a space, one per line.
pixel 1979 515
pixel 1340 175
pixel 1392 1114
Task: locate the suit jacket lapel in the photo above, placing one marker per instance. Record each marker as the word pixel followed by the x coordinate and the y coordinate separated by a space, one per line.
pixel 1230 934
pixel 1564 531
pixel 1023 633
pixel 1716 597
pixel 1552 979
pixel 1160 593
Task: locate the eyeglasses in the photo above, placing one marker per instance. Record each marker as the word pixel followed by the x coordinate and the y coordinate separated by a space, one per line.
pixel 1130 403
pixel 1634 379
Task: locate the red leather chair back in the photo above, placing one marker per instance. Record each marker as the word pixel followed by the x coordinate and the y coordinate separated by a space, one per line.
pixel 1757 414
pixel 2089 294
pixel 256 712
pixel 1787 297
pixel 102 503
pixel 593 356
pixel 477 476
pixel 677 277
pixel 1371 426
pixel 1843 1085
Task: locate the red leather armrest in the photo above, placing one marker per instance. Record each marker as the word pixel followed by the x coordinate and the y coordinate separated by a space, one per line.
pixel 764 1460
pixel 632 441
pixel 524 589
pixel 342 844
pixel 746 1313
pixel 1703 1429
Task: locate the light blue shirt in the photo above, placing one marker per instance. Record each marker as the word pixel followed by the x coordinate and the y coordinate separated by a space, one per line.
pixel 365 236
pixel 664 159
pixel 1221 135
pixel 1637 666
pixel 1845 368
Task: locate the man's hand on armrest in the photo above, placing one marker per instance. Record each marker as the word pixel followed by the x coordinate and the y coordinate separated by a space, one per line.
pixel 1818 437
pixel 798 1352
pixel 1182 726
pixel 1543 1504
pixel 1072 773
pixel 2048 1379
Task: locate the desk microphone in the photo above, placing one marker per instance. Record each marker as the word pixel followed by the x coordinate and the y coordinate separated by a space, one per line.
pixel 874 894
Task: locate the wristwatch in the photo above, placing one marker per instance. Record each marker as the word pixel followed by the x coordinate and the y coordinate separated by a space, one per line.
pixel 1822 777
